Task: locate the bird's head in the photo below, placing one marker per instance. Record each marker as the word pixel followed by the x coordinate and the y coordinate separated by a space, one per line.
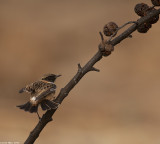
pixel 50 77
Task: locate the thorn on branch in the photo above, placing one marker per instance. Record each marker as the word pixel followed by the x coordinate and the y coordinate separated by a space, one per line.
pixel 94 69
pixel 80 68
pixel 51 119
pixel 80 71
pixel 130 36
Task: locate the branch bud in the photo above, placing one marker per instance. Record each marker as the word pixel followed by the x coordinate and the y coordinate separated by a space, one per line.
pixel 154 19
pixel 143 28
pixel 106 48
pixel 110 28
pixel 141 8
pixel 156 2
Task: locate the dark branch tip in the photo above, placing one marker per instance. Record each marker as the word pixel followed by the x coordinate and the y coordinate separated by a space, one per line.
pixel 102 38
pixel 80 68
pixel 95 69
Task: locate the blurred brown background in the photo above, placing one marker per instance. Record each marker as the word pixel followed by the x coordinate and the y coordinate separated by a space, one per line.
pixel 119 105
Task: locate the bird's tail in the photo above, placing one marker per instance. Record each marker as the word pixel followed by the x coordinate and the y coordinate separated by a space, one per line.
pixel 29 107
pixel 47 105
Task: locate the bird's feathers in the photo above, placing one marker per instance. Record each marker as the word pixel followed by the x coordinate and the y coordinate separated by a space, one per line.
pixel 29 107
pixel 51 104
pixel 47 104
pixel 41 93
pixel 45 92
pixel 37 87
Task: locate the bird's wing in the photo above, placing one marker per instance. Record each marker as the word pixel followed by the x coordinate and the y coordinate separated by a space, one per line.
pixel 31 88
pixel 45 91
pixel 35 87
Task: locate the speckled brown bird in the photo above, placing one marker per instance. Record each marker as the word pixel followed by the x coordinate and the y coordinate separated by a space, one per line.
pixel 42 92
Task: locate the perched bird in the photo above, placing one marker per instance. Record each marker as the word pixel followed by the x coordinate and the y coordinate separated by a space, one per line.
pixel 42 93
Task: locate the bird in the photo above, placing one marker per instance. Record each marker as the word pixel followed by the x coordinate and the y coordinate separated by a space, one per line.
pixel 41 93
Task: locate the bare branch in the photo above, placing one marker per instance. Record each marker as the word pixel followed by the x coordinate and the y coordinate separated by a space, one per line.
pixel 47 117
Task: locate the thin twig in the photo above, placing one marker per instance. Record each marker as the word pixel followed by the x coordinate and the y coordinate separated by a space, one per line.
pixel 130 22
pixel 102 38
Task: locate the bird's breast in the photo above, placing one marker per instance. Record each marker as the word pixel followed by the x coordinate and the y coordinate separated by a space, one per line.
pixel 33 100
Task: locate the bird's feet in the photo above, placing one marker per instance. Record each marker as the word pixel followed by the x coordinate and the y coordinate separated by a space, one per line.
pixel 38 116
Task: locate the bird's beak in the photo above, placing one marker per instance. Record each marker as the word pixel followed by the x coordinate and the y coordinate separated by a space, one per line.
pixel 58 75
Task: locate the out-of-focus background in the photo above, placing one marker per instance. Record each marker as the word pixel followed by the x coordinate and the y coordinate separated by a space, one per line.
pixel 119 105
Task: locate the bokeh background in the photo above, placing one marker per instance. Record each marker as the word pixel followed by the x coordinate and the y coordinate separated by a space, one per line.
pixel 119 105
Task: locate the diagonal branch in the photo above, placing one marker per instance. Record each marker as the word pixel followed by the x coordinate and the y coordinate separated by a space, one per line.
pixel 47 117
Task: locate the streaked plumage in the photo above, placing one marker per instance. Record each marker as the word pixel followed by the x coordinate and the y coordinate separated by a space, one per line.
pixel 41 92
